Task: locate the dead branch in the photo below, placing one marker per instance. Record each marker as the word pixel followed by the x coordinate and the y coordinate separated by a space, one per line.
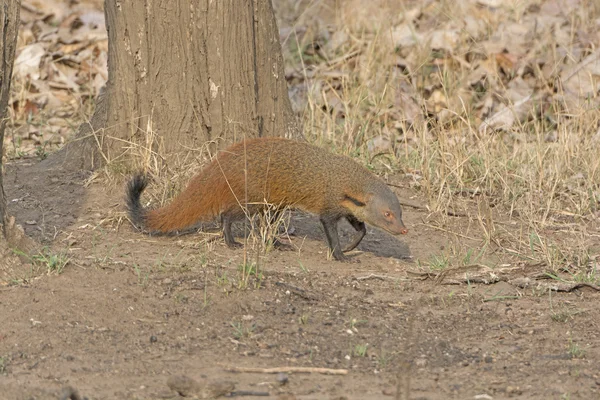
pixel 300 370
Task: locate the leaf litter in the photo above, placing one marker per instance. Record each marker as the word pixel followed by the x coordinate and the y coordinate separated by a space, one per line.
pixel 59 68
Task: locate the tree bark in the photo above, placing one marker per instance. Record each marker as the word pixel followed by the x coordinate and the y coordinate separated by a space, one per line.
pixel 10 234
pixel 185 73
pixel 9 28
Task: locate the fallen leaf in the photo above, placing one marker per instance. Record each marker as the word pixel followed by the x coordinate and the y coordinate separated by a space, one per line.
pixel 28 61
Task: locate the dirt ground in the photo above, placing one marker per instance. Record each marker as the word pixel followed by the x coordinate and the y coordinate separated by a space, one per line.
pixel 129 311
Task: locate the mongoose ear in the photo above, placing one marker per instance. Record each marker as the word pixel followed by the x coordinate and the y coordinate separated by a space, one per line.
pixel 353 201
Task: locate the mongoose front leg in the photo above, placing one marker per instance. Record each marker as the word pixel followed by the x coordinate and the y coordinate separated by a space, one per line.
pixel 361 230
pixel 227 220
pixel 330 226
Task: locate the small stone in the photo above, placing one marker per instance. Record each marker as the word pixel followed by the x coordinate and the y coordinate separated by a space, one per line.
pixel 153 339
pixel 282 378
pixel 389 391
pixel 513 390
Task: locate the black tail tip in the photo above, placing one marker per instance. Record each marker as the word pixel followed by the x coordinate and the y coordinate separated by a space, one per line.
pixel 137 184
pixel 135 187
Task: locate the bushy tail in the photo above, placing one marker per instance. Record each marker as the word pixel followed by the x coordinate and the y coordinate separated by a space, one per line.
pixel 137 213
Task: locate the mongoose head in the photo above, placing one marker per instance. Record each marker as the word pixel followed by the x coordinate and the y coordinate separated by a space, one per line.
pixel 378 207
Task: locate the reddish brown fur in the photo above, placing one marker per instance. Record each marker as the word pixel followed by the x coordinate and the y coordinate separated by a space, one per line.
pixel 276 174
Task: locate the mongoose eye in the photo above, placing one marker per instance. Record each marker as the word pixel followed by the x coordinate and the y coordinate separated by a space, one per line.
pixel 387 214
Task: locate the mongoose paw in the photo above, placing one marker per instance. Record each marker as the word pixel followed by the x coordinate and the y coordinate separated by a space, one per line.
pixel 234 245
pixel 352 245
pixel 279 245
pixel 341 257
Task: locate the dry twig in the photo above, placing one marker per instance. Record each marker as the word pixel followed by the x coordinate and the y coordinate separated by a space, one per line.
pixel 301 370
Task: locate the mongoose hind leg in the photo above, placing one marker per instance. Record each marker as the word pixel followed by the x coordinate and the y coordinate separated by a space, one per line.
pixel 227 219
pixel 361 230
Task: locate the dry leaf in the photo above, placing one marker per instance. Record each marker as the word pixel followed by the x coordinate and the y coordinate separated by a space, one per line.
pixel 505 117
pixel 28 61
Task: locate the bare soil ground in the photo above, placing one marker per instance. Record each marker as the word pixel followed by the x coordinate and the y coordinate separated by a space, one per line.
pixel 130 311
pixel 484 114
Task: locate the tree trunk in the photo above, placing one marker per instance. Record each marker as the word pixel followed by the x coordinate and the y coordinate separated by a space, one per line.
pixel 9 28
pixel 186 73
pixel 10 234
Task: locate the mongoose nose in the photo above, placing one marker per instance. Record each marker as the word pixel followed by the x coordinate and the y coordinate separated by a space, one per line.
pixel 404 231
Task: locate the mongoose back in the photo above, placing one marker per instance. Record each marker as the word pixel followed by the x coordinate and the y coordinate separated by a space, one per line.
pixel 275 171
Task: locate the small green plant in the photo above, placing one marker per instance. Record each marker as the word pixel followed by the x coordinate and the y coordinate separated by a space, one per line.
pixel 181 298
pixel 468 259
pixel 40 152
pixel 575 350
pixel 585 274
pixel 245 270
pixel 561 316
pixel 356 322
pixel 360 350
pixel 167 259
pixel 222 279
pixel 439 263
pixel 302 267
pixel 248 269
pixel 383 359
pixel 239 331
pixel 303 320
pixel 545 251
pixel 141 276
pixel 46 259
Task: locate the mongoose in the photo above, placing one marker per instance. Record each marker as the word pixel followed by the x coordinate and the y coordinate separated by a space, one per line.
pixel 275 171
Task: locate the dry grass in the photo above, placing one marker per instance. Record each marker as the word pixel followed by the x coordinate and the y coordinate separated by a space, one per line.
pixel 491 113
